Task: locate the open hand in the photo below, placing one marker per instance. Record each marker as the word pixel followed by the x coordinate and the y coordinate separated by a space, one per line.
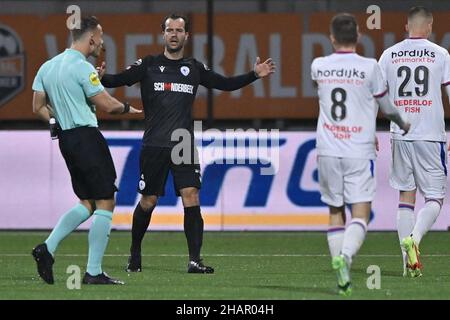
pixel 264 69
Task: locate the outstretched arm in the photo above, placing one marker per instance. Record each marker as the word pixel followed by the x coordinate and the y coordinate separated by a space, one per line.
pixel 133 74
pixel 211 79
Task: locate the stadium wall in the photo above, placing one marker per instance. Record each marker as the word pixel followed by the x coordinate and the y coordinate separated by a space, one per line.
pixel 292 40
pixel 237 194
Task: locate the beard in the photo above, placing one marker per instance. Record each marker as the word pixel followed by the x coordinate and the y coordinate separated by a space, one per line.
pixel 176 49
pixel 97 51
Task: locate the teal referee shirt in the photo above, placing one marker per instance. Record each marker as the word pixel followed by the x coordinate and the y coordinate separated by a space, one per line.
pixel 69 80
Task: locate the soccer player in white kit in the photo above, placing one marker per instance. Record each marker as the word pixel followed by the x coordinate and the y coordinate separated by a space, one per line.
pixel 349 87
pixel 416 69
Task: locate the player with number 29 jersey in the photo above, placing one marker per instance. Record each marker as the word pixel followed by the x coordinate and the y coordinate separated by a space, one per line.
pixel 415 69
pixel 348 85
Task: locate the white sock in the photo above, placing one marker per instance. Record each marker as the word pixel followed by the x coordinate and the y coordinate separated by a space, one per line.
pixel 353 238
pixel 425 219
pixel 335 237
pixel 405 224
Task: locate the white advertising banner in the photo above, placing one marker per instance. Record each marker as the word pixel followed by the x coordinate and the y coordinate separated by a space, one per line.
pixel 250 181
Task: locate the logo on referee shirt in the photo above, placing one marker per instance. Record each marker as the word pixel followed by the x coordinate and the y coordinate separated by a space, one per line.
pixel 185 70
pixel 162 68
pixel 12 64
pixel 93 78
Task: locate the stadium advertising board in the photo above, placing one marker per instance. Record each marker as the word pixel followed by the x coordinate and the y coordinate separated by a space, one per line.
pixel 35 186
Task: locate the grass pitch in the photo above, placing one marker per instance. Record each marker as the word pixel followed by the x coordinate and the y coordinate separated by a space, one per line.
pixel 248 265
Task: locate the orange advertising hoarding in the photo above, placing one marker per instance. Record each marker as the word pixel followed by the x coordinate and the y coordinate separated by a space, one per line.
pixel 292 40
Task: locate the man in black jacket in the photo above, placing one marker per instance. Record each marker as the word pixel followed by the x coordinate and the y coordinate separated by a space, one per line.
pixel 169 83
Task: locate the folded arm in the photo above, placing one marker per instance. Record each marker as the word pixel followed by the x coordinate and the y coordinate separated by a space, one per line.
pixel 217 81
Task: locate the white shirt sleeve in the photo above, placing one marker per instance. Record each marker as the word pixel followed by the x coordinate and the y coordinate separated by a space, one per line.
pixel 314 70
pixel 382 64
pixel 378 84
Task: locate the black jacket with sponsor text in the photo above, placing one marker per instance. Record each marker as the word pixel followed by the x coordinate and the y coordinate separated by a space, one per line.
pixel 168 89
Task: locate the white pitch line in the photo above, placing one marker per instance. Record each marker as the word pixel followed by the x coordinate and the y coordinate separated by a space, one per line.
pixel 226 255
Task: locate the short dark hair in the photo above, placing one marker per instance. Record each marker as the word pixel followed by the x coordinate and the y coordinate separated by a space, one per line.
pixel 419 11
pixel 88 23
pixel 175 16
pixel 344 29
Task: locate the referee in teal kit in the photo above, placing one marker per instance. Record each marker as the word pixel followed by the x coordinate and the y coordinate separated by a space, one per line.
pixel 68 88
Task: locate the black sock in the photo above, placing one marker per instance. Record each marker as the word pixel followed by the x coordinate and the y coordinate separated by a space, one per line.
pixel 141 220
pixel 193 229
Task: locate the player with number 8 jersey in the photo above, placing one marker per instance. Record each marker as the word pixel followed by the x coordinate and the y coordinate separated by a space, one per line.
pixel 350 87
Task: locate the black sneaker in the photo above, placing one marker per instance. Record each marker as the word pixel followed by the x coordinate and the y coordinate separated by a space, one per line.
pixel 44 262
pixel 102 278
pixel 199 267
pixel 134 264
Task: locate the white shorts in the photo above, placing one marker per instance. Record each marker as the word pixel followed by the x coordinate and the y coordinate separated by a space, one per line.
pixel 346 180
pixel 421 165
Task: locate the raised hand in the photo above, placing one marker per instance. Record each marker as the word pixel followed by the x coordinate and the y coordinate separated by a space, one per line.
pixel 264 69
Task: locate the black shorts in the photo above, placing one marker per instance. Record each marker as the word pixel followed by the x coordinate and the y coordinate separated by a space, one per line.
pixel 155 164
pixel 89 162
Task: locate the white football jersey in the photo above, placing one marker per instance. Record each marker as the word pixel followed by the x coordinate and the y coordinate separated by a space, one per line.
pixel 347 86
pixel 415 70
